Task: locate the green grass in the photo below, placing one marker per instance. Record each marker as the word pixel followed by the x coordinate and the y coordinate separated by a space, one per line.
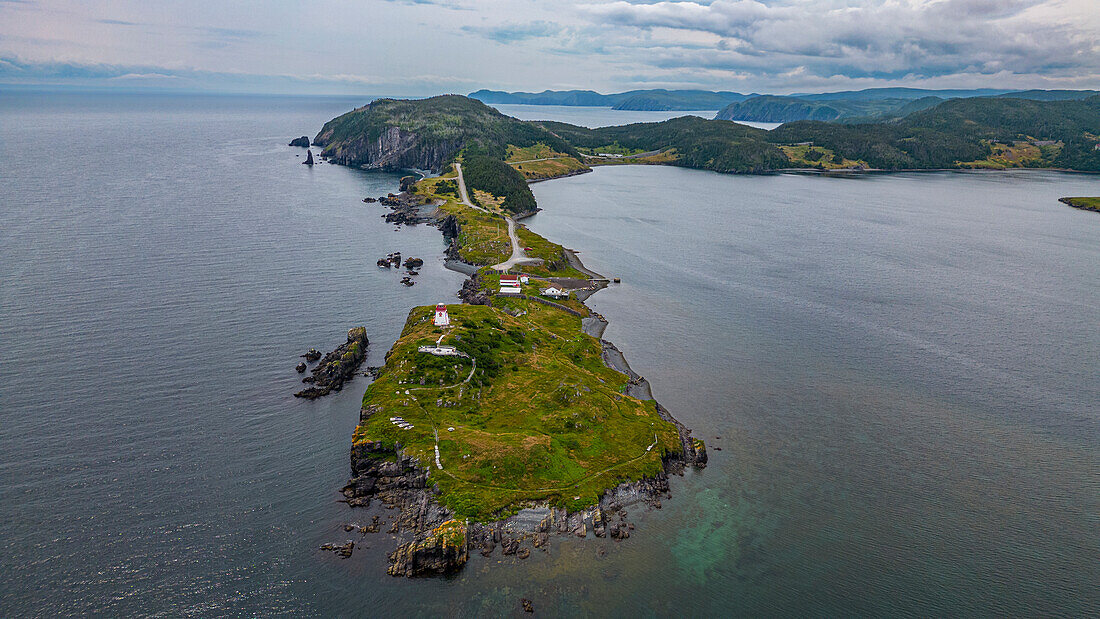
pixel 1088 204
pixel 806 156
pixel 542 419
pixel 483 238
pixel 554 264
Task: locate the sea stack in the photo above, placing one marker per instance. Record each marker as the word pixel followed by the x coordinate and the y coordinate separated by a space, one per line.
pixel 302 141
pixel 309 158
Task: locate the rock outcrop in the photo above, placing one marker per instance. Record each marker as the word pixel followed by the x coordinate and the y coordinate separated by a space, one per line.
pixel 302 141
pixel 395 149
pixel 404 208
pixel 472 292
pixel 309 158
pixel 441 551
pixel 337 367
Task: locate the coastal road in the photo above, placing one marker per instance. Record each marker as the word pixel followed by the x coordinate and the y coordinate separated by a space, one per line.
pixel 465 197
pixel 518 256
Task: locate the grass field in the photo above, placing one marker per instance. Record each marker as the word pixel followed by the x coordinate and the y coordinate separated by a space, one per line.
pixel 1088 204
pixel 483 237
pixel 542 162
pixel 1016 155
pixel 540 419
pixel 806 156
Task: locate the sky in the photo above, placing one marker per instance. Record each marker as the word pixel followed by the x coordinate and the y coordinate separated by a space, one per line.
pixel 425 47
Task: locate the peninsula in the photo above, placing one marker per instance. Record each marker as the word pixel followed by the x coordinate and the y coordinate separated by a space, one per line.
pixel 507 417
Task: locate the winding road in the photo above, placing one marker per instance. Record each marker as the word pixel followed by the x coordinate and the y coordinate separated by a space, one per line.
pixel 518 256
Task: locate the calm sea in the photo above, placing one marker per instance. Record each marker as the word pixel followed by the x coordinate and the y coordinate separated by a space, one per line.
pixel 901 370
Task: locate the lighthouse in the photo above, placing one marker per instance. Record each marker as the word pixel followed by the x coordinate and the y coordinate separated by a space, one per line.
pixel 441 317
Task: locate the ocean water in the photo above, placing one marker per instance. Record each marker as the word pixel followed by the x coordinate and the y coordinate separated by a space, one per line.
pixel 899 368
pixel 592 117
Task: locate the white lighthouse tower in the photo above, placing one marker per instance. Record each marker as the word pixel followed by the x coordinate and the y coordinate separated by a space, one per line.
pixel 441 317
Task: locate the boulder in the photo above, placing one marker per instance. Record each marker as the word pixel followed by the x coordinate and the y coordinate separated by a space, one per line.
pixel 301 367
pixel 442 551
pixel 414 263
pixel 343 550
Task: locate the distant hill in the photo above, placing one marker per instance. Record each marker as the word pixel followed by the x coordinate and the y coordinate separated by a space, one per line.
pixel 655 99
pixel 664 100
pixel 777 109
pixel 869 105
pixel 1006 131
pixel 900 93
pixel 1050 95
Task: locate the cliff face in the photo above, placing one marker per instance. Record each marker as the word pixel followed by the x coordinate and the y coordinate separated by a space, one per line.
pixel 394 149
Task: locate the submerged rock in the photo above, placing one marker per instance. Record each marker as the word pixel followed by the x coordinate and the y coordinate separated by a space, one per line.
pixel 312 355
pixel 414 263
pixel 343 550
pixel 301 367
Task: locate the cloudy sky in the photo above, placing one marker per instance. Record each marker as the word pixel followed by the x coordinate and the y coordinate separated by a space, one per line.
pixel 420 47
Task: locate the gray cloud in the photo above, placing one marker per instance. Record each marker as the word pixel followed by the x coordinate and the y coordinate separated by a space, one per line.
pixel 872 38
pixel 510 33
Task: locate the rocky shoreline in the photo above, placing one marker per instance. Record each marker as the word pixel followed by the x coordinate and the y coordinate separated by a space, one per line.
pixel 435 543
pixel 335 368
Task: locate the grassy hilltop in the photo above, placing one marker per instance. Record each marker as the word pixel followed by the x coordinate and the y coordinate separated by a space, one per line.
pixel 536 415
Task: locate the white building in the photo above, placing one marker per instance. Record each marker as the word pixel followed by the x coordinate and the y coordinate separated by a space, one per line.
pixel 441 351
pixel 555 293
pixel 441 318
pixel 509 284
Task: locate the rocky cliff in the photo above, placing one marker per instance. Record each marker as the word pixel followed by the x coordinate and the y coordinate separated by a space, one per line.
pixel 394 149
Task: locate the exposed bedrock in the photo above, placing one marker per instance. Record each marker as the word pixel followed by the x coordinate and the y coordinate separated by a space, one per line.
pixel 337 367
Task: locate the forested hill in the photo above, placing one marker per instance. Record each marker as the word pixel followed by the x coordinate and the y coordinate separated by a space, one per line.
pixel 868 105
pixel 425 133
pixel 990 132
pixel 687 141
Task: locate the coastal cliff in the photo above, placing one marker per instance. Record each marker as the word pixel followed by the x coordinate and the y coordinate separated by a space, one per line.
pixel 390 134
pixel 394 149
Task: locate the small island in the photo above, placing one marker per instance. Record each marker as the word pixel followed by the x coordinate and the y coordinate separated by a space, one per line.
pixel 1085 204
